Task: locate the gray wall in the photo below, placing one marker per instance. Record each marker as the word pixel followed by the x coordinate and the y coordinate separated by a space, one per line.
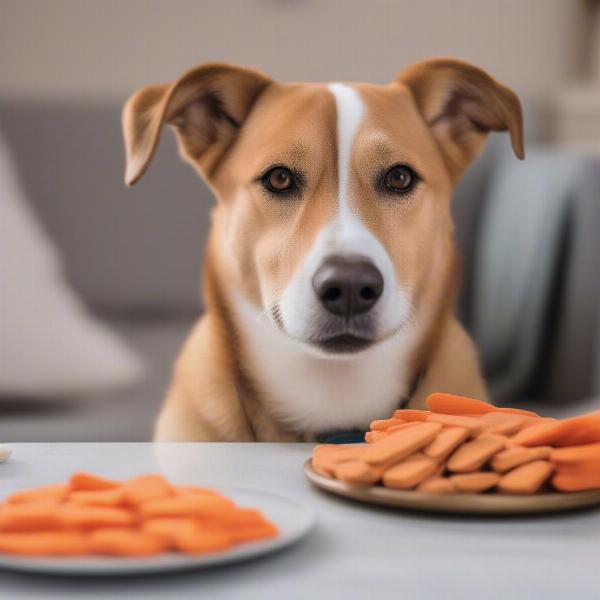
pixel 95 48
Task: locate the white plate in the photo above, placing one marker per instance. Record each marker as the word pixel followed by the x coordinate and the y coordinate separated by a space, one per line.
pixel 293 519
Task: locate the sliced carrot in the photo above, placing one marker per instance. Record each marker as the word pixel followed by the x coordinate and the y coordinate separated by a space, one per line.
pixel 518 455
pixel 474 454
pixel 87 481
pixel 184 490
pixel 55 543
pixel 125 542
pixel 111 497
pixel 326 457
pixel 358 472
pixel 446 442
pixel 410 472
pixel 473 425
pixel 411 414
pixel 581 430
pixel 436 485
pixel 475 483
pixel 503 423
pixel 251 533
pixel 236 517
pixel 91 517
pixel 142 489
pixel 385 424
pixel 186 506
pixel 29 517
pixel 374 436
pixel 450 404
pixel 397 446
pixel 527 478
pixel 45 492
pixel 576 482
pixel 188 535
pixel 516 411
pixel 576 454
pixel 406 425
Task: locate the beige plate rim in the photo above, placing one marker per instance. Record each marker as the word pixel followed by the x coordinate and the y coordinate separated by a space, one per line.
pixel 491 504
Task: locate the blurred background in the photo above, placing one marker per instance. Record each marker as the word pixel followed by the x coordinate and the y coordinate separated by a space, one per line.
pixel 99 284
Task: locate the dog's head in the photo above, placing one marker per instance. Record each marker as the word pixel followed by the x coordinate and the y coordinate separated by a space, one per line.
pixel 333 200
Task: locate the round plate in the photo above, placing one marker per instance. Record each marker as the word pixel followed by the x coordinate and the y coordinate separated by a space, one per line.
pixel 293 518
pixel 493 504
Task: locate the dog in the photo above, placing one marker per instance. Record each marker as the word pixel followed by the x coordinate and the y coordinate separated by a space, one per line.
pixel 331 270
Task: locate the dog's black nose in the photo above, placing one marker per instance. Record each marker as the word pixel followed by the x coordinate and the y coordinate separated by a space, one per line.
pixel 348 286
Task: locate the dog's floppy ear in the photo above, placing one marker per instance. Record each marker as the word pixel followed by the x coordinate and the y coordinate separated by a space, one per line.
pixel 206 106
pixel 461 104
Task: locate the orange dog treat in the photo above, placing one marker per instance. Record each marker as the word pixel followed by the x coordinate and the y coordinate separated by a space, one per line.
pixel 186 506
pixel 474 454
pixel 91 517
pixel 125 542
pixel 410 414
pixel 29 517
pixel 110 497
pixel 55 543
pixel 46 493
pixel 145 488
pixel 358 472
pixel 401 444
pixel 475 483
pixel 375 436
pixel 446 442
pixel 518 455
pixel 410 472
pixel 526 479
pixel 436 485
pixel 473 425
pixel 89 482
pixel 385 424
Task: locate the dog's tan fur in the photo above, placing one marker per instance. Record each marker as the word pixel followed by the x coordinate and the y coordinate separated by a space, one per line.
pixel 231 123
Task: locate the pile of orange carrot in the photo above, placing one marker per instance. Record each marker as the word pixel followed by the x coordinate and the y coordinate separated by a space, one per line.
pixel 143 516
pixel 465 445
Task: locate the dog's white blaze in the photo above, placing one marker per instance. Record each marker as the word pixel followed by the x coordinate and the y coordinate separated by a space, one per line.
pixel 350 111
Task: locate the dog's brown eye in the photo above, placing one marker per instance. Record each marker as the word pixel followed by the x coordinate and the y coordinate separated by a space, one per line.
pixel 279 180
pixel 400 179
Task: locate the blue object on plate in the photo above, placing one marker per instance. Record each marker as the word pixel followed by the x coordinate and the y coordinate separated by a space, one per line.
pixel 345 437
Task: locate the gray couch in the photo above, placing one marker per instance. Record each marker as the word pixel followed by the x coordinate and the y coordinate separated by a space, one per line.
pixel 135 254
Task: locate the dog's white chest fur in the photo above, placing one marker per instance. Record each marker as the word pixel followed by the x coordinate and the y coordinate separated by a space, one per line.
pixel 313 394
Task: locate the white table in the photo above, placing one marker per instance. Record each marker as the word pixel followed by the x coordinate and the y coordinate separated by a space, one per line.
pixel 355 551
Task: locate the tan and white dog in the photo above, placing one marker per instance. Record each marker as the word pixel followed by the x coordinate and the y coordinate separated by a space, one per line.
pixel 330 271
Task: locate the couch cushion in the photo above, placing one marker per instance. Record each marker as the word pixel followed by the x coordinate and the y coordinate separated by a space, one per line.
pixel 126 250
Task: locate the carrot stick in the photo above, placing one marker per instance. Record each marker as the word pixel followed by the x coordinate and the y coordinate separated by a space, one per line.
pixel 45 492
pixel 125 542
pixel 29 517
pixel 142 489
pixel 55 543
pixel 411 414
pixel 87 481
pixel 576 454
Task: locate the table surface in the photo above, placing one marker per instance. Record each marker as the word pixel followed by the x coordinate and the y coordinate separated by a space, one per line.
pixel 354 551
